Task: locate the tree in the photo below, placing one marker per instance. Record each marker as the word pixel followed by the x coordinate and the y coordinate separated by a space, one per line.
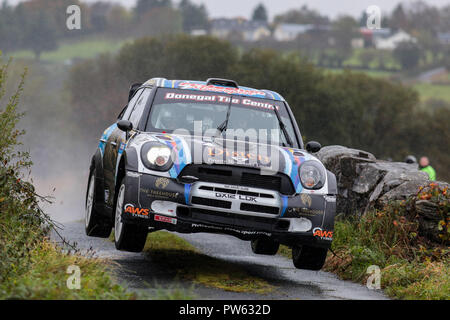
pixel 430 44
pixel 407 54
pixel 302 16
pixel 10 29
pixel 119 19
pixel 98 15
pixel 398 19
pixel 160 21
pixel 366 57
pixel 39 31
pixel 194 16
pixel 260 13
pixel 144 6
pixel 344 29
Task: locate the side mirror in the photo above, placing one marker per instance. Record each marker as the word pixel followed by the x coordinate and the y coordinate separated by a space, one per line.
pixel 313 146
pixel 133 89
pixel 124 125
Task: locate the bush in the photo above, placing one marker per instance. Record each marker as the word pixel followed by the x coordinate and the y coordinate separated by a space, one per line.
pixel 411 266
pixel 349 109
pixel 32 267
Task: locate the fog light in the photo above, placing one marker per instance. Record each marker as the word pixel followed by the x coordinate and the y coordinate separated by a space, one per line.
pixel 300 225
pixel 165 207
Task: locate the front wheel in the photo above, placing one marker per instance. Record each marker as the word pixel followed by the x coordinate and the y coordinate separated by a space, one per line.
pixel 309 258
pixel 127 237
pixel 265 246
pixel 96 226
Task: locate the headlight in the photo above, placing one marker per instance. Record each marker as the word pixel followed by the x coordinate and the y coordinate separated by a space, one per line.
pixel 312 175
pixel 156 156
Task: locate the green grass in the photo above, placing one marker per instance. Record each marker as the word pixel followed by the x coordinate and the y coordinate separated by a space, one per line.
pixel 33 268
pixel 433 91
pixel 84 49
pixel 411 266
pixel 402 277
pixel 45 277
pixel 181 258
pixel 371 73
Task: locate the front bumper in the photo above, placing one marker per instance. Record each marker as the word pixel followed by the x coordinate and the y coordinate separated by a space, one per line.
pixel 247 213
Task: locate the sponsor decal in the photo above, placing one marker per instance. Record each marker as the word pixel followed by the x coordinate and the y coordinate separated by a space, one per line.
pixel 243 232
pixel 165 219
pixel 162 183
pixel 160 193
pixel 234 156
pixel 305 211
pixel 136 212
pixel 227 90
pixel 122 147
pixel 306 199
pixel 223 195
pixel 323 234
pixel 226 186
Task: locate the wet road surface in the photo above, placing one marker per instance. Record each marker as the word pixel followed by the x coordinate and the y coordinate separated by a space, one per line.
pixel 139 273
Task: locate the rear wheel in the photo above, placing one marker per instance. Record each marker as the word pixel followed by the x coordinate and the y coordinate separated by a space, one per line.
pixel 265 246
pixel 96 225
pixel 309 258
pixel 127 237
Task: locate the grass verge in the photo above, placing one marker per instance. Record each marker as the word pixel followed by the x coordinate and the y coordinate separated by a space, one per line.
pixel 86 48
pixel 42 275
pixel 31 267
pixel 179 256
pixel 411 266
pixel 407 272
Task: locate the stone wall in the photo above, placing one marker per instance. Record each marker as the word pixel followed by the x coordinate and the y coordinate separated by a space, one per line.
pixel 365 183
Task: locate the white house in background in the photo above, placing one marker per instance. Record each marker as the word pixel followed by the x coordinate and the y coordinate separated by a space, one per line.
pixel 239 27
pixel 290 31
pixel 390 43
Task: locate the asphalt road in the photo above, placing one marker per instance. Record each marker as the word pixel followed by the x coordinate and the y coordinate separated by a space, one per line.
pixel 139 273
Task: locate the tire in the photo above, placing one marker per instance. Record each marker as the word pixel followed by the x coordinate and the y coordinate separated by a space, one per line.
pixel 265 246
pixel 95 225
pixel 127 237
pixel 309 258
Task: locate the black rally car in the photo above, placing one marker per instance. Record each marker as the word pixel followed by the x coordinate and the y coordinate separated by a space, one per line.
pixel 191 156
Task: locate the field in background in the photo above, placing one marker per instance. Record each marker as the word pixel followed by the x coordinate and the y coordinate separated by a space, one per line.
pixel 433 91
pixel 91 47
pixel 426 91
pixel 84 49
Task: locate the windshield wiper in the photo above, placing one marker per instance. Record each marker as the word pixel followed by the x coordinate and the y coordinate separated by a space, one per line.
pixel 223 126
pixel 283 127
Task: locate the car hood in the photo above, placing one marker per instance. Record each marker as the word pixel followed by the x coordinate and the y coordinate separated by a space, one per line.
pixel 190 149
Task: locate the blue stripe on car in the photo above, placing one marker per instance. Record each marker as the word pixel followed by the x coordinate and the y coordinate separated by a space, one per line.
pixel 187 192
pixel 105 137
pixel 285 204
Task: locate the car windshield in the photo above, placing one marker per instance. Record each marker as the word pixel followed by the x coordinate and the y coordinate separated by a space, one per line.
pixel 206 112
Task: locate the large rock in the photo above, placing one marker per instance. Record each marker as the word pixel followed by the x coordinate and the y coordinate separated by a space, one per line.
pixel 365 182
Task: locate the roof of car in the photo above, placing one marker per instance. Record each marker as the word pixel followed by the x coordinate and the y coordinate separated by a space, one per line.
pixel 204 86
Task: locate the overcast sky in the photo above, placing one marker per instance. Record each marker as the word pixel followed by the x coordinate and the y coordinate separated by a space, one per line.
pixel 332 8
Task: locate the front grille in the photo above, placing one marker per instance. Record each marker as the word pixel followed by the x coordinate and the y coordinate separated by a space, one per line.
pixel 259 181
pixel 259 208
pixel 239 192
pixel 211 202
pixel 239 176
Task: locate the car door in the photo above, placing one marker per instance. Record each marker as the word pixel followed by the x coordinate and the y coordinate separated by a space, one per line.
pixel 114 146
